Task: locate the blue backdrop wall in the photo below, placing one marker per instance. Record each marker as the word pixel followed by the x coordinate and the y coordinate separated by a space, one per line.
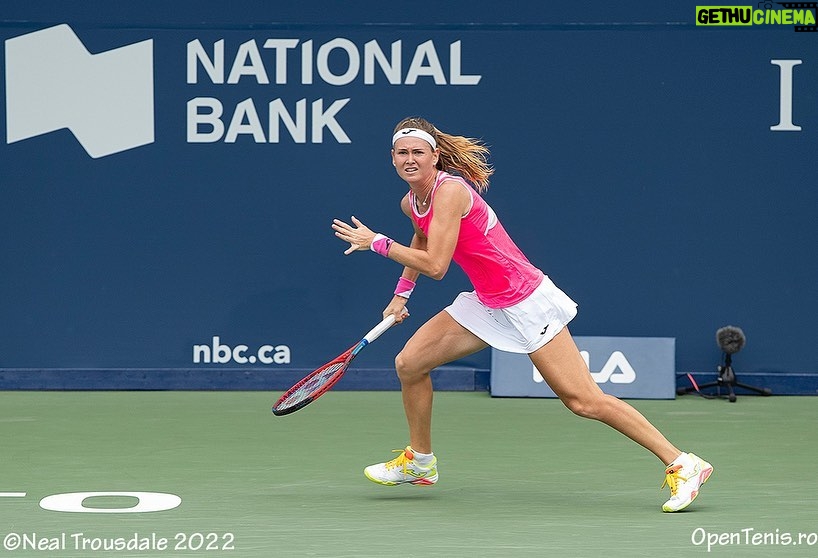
pixel 649 165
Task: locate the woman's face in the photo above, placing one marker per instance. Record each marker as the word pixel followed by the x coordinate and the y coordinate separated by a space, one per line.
pixel 414 159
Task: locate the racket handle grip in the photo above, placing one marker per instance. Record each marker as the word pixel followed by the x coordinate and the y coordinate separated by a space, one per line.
pixel 376 331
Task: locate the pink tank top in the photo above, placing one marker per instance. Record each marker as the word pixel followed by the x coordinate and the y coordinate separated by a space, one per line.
pixel 501 274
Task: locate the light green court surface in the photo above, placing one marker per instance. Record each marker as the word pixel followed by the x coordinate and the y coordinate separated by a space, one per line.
pixel 518 477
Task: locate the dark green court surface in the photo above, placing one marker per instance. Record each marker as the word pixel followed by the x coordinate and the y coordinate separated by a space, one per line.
pixel 518 477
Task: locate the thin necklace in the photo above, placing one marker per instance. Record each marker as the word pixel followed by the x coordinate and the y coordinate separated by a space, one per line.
pixel 427 196
pixel 426 199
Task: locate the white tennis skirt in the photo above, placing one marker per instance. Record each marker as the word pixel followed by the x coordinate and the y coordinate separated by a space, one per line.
pixel 522 328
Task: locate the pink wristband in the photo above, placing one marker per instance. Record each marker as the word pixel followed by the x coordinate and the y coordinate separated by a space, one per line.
pixel 405 287
pixel 381 245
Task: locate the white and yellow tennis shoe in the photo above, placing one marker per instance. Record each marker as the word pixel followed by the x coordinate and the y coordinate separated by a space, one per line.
pixel 685 476
pixel 404 469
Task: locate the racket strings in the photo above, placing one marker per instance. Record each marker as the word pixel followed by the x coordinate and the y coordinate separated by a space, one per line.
pixel 313 384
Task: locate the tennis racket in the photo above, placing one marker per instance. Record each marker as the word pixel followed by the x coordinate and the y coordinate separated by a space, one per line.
pixel 317 383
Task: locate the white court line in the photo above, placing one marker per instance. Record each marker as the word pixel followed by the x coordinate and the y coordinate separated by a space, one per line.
pixel 12 494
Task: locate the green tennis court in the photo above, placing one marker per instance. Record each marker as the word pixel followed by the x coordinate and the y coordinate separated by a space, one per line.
pixel 518 477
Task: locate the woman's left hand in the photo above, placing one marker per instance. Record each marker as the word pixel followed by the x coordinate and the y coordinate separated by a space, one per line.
pixel 358 235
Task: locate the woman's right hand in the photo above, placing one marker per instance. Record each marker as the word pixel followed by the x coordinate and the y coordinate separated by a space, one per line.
pixel 397 307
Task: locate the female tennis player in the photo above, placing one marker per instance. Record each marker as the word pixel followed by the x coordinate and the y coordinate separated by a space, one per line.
pixel 513 307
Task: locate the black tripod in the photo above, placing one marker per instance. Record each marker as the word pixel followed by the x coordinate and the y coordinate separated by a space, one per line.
pixel 727 379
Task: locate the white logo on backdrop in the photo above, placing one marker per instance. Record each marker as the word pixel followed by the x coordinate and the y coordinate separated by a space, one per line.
pixel 616 370
pixel 104 99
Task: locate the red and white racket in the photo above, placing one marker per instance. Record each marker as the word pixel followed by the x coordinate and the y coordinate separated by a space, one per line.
pixel 317 383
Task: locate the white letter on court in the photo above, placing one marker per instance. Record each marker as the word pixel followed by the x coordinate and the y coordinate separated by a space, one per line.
pixel 72 502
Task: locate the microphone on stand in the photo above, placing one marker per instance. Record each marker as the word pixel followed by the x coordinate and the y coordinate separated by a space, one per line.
pixel 731 339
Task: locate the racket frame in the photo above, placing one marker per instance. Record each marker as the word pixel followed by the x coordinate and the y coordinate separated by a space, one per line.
pixel 345 358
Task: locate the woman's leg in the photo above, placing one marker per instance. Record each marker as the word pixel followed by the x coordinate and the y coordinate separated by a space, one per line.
pixel 439 341
pixel 563 368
